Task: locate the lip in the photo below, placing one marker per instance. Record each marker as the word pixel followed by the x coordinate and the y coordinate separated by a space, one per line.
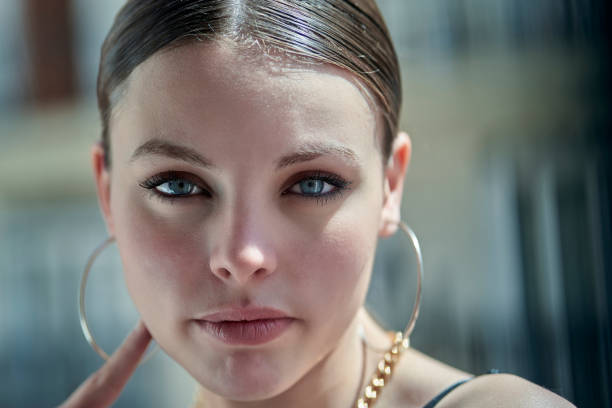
pixel 243 314
pixel 245 326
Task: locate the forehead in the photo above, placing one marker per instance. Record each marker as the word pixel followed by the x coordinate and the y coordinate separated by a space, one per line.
pixel 216 86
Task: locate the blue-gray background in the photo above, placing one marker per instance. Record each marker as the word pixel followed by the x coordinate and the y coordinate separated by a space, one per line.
pixel 508 106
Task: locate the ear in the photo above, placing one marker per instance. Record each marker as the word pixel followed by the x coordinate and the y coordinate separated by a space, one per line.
pixel 394 184
pixel 103 179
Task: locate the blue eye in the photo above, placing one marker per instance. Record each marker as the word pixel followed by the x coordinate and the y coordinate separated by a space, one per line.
pixel 173 185
pixel 312 187
pixel 178 187
pixel 318 185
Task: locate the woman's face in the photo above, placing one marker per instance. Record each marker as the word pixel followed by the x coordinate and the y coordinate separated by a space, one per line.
pixel 277 180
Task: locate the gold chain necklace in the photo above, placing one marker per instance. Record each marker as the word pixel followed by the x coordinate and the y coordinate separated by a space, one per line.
pixel 383 373
pixel 381 377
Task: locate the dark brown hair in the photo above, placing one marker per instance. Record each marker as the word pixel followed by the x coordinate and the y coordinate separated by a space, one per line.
pixel 350 34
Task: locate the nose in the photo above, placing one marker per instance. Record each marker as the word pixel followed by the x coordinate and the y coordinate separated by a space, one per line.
pixel 242 251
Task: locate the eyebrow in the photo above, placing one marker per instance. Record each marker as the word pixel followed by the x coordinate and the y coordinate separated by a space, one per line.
pixel 305 153
pixel 312 151
pixel 172 150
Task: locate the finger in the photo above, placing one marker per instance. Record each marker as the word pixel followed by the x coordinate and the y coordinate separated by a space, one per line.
pixel 103 387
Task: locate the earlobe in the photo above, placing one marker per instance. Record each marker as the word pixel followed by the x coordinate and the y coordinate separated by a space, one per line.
pixel 393 184
pixel 102 178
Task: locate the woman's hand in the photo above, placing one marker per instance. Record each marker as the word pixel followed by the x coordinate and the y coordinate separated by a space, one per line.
pixel 103 387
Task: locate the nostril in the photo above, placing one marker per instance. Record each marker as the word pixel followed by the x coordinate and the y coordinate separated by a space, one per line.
pixel 224 273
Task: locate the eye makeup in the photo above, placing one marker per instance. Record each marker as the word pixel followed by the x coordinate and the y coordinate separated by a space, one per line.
pixel 175 180
pixel 329 186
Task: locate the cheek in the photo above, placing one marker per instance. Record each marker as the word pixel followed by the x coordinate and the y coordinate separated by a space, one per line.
pixel 161 262
pixel 335 268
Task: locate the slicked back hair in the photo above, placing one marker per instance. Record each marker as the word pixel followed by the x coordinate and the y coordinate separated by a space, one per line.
pixel 350 34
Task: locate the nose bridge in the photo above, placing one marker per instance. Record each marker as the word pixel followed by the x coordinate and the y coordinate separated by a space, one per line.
pixel 242 249
pixel 244 232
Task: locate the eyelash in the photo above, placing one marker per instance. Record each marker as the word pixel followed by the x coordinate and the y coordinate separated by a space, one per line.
pixel 159 179
pixel 340 186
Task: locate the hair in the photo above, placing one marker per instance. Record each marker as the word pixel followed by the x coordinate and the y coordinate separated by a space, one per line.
pixel 350 34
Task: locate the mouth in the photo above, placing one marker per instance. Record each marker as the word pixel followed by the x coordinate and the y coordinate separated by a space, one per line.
pixel 245 326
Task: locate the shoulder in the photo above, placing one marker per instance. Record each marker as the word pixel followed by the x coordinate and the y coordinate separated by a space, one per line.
pixel 502 390
pixel 421 378
pixel 417 379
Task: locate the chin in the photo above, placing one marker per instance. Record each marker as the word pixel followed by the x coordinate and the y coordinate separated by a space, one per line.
pixel 243 375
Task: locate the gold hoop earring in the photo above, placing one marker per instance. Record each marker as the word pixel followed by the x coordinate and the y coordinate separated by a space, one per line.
pixel 82 315
pixel 401 341
pixel 419 257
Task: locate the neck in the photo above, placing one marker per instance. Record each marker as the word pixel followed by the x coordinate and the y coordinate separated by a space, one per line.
pixel 335 381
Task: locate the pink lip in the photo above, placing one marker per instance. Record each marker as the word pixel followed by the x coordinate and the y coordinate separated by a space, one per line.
pixel 245 326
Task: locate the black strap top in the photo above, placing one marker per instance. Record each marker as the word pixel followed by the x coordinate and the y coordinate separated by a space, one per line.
pixel 437 398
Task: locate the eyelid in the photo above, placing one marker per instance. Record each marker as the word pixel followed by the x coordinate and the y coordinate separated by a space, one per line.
pixel 338 182
pixel 312 174
pixel 160 178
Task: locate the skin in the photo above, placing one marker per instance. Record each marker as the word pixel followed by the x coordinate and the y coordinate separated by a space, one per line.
pixel 249 235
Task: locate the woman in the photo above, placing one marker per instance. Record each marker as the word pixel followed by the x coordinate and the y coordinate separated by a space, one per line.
pixel 250 159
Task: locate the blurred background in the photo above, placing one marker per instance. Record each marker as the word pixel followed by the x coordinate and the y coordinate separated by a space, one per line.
pixel 508 106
